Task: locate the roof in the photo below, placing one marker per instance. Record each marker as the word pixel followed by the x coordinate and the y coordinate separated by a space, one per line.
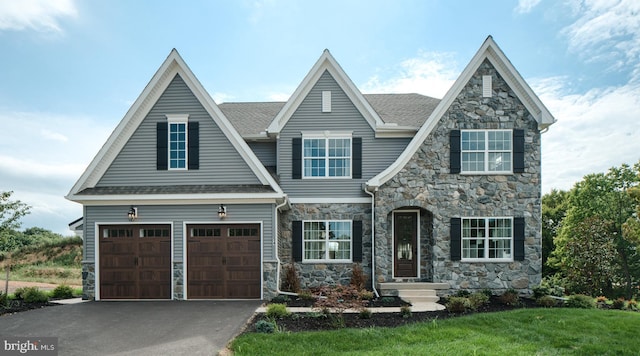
pixel 251 119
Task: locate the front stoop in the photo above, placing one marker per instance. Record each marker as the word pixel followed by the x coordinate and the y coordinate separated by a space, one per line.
pixel 419 294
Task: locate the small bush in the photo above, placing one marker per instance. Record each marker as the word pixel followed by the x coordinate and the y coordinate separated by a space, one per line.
pixel 365 314
pixel 618 303
pixel 357 277
pixel 405 311
pixel 3 300
pixel 487 292
pixel 281 299
pixel 554 284
pixel 387 300
pixel 581 301
pixel 510 297
pixel 546 301
pixel 541 291
pixel 339 298
pixel 457 305
pixel 476 300
pixel 306 295
pixel 276 310
pixel 31 295
pixel 601 299
pixel 632 304
pixel 366 295
pixel 265 326
pixel 463 293
pixel 62 292
pixel 291 282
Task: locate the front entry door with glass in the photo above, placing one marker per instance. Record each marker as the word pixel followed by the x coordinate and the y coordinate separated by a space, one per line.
pixel 405 245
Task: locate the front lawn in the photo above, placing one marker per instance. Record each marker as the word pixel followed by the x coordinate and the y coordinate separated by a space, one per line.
pixel 557 331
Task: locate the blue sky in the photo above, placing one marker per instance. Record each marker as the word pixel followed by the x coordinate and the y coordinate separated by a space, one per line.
pixel 70 70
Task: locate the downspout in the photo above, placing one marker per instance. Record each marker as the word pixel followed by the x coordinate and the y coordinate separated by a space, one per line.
pixel 275 242
pixel 373 234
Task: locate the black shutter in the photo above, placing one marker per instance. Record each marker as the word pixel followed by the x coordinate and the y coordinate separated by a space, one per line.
pixel 194 145
pixel 296 154
pixel 518 151
pixel 356 241
pixel 356 146
pixel 454 153
pixel 456 240
pixel 296 243
pixel 162 146
pixel 518 239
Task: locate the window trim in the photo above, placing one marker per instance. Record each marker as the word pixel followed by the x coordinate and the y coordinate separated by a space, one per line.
pixel 486 238
pixel 327 136
pixel 486 153
pixel 326 240
pixel 181 119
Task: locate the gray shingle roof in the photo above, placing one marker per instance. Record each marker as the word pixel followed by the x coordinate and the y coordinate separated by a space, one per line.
pixel 176 189
pixel 411 110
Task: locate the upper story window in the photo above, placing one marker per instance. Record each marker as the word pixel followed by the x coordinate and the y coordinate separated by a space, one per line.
pixel 327 241
pixel 177 145
pixel 487 239
pixel 326 157
pixel 487 151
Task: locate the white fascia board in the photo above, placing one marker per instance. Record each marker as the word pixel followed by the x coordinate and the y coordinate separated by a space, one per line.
pixel 178 199
pixel 490 50
pixel 325 200
pixel 325 62
pixel 174 64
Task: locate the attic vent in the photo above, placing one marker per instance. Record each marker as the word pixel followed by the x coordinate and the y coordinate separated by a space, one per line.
pixel 487 90
pixel 326 101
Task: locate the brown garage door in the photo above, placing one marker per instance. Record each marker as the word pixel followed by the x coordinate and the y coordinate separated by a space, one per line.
pixel 135 261
pixel 223 261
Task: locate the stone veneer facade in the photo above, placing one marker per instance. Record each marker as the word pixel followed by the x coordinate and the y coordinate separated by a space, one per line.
pixel 426 183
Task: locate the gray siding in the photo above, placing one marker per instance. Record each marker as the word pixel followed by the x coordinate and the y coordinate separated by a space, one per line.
pixel 377 154
pixel 177 214
pixel 266 152
pixel 136 163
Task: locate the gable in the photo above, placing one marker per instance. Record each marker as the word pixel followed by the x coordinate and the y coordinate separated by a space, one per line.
pixel 138 156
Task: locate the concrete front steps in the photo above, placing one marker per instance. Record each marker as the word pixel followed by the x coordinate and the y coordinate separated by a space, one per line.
pixel 421 295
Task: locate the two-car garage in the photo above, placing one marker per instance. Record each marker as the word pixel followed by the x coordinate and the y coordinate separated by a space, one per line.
pixel 222 261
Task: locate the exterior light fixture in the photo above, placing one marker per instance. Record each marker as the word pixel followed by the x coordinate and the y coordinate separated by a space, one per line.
pixel 133 213
pixel 222 211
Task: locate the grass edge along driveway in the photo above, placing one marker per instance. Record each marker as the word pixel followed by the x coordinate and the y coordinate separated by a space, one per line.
pixel 558 331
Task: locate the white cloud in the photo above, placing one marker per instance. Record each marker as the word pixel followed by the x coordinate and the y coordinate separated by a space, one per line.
pixel 278 96
pixel 607 31
pixel 219 97
pixel 55 136
pixel 596 130
pixel 430 73
pixel 525 6
pixel 38 15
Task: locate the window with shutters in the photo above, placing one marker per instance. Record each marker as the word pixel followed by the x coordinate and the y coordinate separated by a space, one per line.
pixel 326 157
pixel 327 240
pixel 487 239
pixel 486 151
pixel 177 145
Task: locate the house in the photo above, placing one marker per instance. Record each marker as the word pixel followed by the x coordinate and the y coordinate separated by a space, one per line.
pixel 188 199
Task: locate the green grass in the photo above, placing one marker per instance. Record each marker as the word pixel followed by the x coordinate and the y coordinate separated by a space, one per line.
pixel 559 331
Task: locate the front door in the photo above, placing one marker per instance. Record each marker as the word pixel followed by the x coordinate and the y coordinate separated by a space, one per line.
pixel 405 245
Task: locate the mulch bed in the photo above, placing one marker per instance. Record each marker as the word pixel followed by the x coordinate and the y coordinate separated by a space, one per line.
pixel 315 320
pixel 17 306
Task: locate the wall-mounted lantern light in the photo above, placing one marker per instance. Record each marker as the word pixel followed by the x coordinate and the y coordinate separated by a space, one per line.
pixel 133 213
pixel 222 211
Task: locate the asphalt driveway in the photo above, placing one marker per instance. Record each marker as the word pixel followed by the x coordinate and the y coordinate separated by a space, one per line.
pixel 135 328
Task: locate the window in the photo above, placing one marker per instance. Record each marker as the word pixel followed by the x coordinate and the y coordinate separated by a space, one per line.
pixel 327 241
pixel 177 145
pixel 486 151
pixel 327 157
pixel 487 238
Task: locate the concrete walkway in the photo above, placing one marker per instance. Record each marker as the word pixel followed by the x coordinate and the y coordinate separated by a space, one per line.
pixel 416 308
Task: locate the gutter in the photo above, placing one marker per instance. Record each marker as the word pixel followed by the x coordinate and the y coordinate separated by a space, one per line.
pixel 373 234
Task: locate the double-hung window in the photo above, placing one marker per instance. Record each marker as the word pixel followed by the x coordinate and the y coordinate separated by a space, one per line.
pixel 327 240
pixel 487 239
pixel 177 142
pixel 486 151
pixel 324 157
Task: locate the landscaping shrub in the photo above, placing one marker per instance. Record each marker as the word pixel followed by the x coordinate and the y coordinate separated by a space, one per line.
pixel 487 292
pixel 366 295
pixel 3 300
pixel 554 285
pixel 618 303
pixel 387 300
pixel 476 300
pixel 291 282
pixel 365 314
pixel 281 299
pixel 546 301
pixel 510 297
pixel 276 310
pixel 62 292
pixel 463 293
pixel 31 295
pixel 265 326
pixel 405 311
pixel 541 291
pixel 306 295
pixel 357 277
pixel 581 301
pixel 457 305
pixel 632 305
pixel 339 298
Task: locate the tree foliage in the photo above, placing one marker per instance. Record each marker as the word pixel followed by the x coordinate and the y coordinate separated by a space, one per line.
pixel 11 211
pixel 554 209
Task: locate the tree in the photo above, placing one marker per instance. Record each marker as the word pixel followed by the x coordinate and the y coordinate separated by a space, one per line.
pixel 11 211
pixel 554 209
pixel 631 228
